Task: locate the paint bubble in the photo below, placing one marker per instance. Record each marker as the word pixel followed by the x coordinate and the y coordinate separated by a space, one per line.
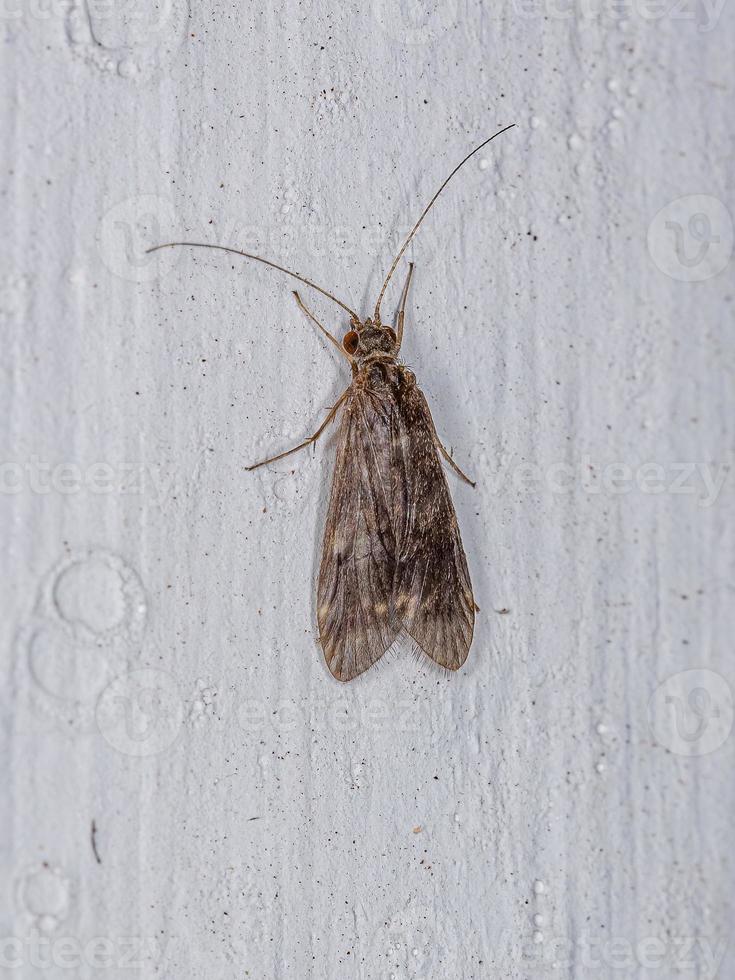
pixel 45 894
pixel 127 68
pixel 98 596
pixel 90 593
pixel 64 669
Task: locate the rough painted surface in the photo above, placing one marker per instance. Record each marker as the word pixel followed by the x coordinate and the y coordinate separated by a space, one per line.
pixel 552 810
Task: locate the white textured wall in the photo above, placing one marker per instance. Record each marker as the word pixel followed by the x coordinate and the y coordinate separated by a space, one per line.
pixel 253 817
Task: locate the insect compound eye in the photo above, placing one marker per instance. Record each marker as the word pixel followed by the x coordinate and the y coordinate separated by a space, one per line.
pixel 351 342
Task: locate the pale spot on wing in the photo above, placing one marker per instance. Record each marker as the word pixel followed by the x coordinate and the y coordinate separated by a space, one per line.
pixel 381 608
pixel 323 610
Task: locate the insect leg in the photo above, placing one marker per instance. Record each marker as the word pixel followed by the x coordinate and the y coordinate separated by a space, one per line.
pixel 451 462
pixel 324 330
pixel 402 307
pixel 307 442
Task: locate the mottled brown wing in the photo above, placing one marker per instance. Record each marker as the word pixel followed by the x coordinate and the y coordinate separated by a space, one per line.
pixel 432 593
pixel 358 555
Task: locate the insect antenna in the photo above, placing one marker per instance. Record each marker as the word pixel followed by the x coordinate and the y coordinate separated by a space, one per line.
pixel 415 228
pixel 257 258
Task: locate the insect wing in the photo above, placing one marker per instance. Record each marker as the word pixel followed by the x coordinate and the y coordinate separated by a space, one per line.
pixel 358 555
pixel 432 593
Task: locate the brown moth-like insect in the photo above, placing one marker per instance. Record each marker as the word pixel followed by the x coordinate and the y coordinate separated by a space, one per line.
pixel 392 558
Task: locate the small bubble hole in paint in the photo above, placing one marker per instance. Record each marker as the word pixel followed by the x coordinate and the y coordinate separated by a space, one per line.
pixel 45 894
pixel 91 594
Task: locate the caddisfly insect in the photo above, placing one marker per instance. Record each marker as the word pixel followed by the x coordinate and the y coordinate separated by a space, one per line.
pixel 392 558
